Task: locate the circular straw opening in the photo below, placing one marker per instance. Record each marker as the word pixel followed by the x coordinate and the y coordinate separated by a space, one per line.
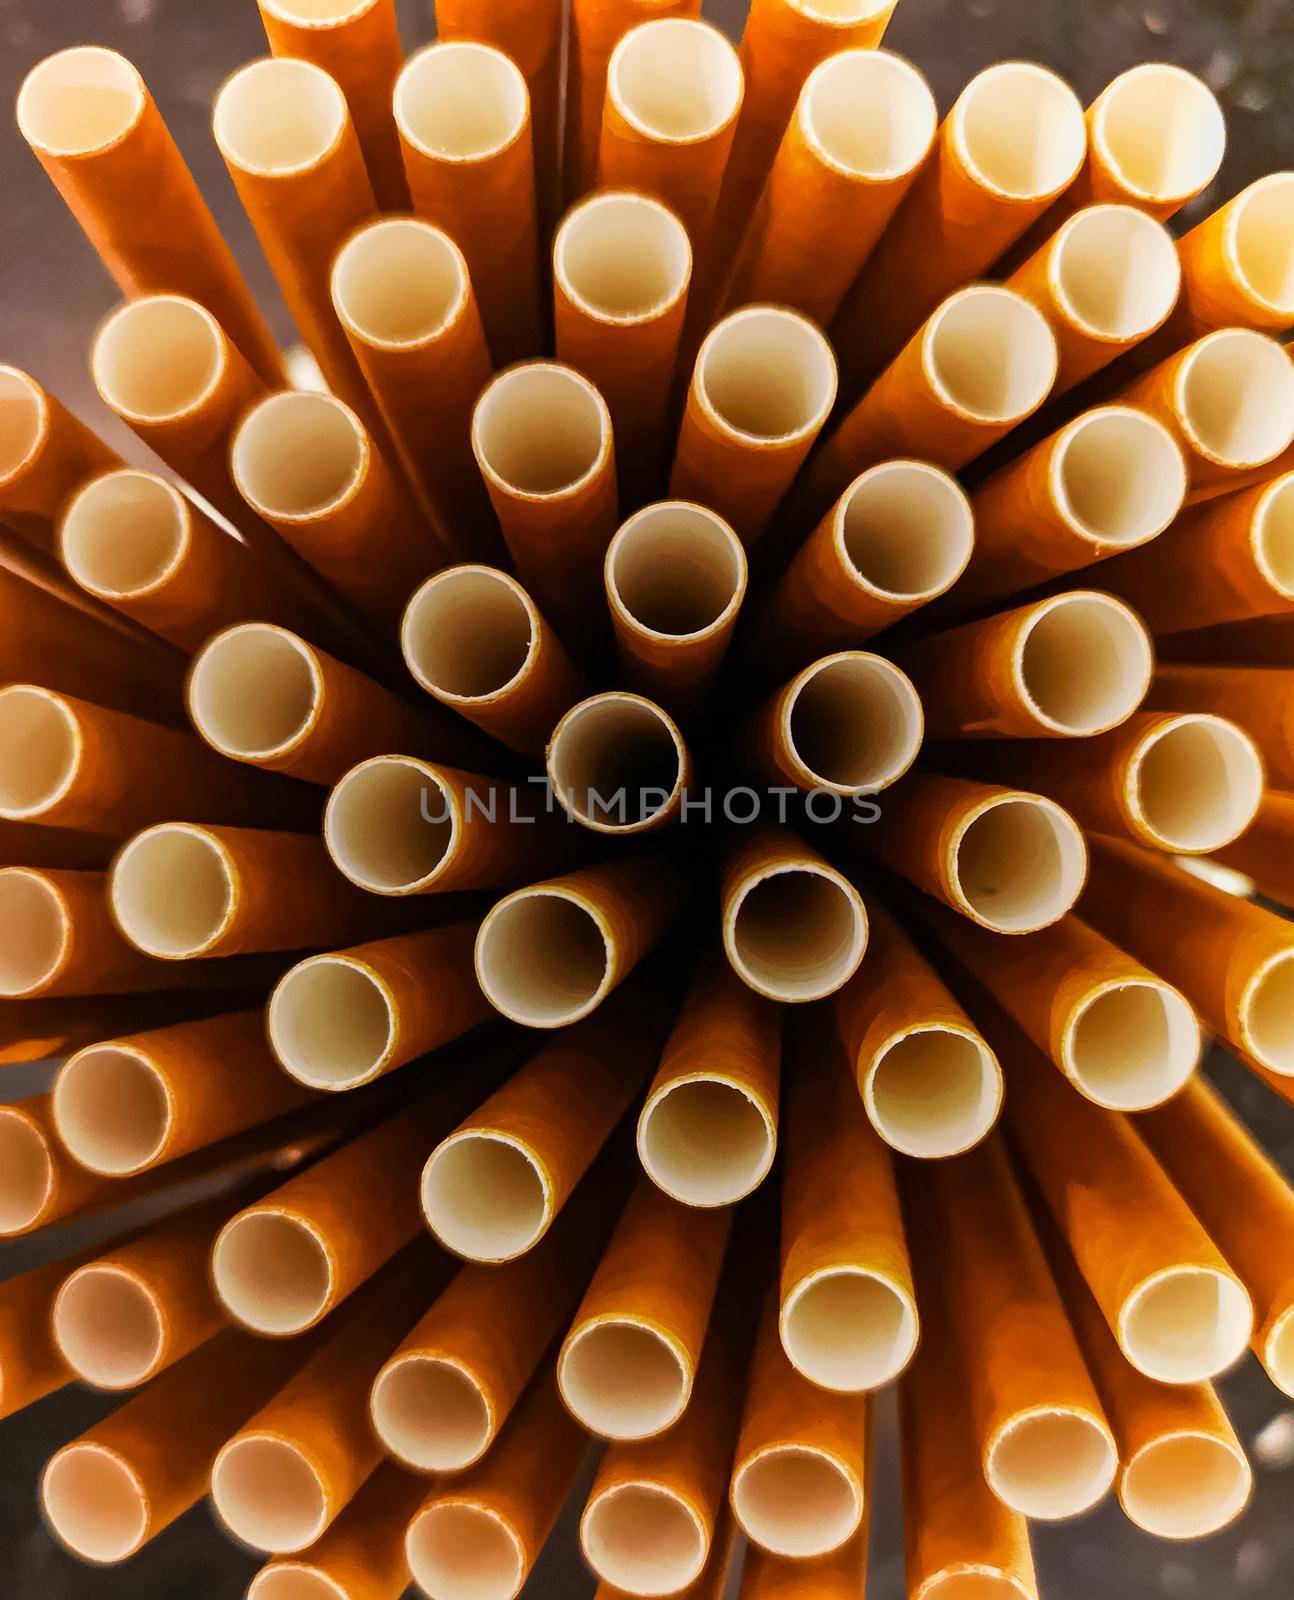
pixel 468 633
pixel 399 282
pixel 95 1503
pixel 1132 1045
pixel 34 932
pixel 108 1327
pixel 111 1109
pixel 1085 663
pixel 1267 1014
pixel 1186 1324
pixel 1161 131
pixel 622 257
pixel 80 101
pixel 1116 272
pixel 848 1330
pixel 990 354
pixel 1261 243
pixel 934 1092
pixel 391 825
pixel 1278 1352
pixel 676 79
pixel 1185 1485
pixel 643 1539
pixel 1052 1464
pixel 279 116
pixel 616 762
pixel 272 1272
pixel 1273 535
pixel 268 1494
pixel 458 1551
pixel 1236 397
pixel 906 529
pixel 1019 864
pixel 676 570
pixel 124 534
pixel 484 1196
pixel 294 1580
pixel 622 1379
pixel 460 101
pixel 157 358
pixel 171 891
pixel 430 1414
pixel 1020 130
pixel 24 420
pixel 768 374
pixel 253 691
pixel 797 933
pixel 705 1142
pixel 869 113
pixel 39 750
pixel 330 1023
pixel 297 456
pixel 543 959
pixel 26 1171
pixel 1118 476
pixel 795 1502
pixel 854 723
pixel 540 429
pixel 1198 784
pixel 972 1584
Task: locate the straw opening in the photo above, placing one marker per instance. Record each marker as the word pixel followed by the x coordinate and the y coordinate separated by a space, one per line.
pixel 468 633
pixel 484 1196
pixel 124 534
pixel 616 762
pixel 318 13
pixel 622 1379
pixel 34 931
pixel 331 1023
pixel 1085 663
pixel 1198 783
pixel 26 1170
pixel 768 374
pixel 848 1329
pixel 399 282
pixel 676 570
pixel 272 1272
pixel 460 1551
pixel 1118 476
pixel 1278 1352
pixel 972 1584
pixel 1161 131
pixel 1267 1014
pixel 906 529
pixel 278 117
pixel 253 691
pixel 39 750
pixel 1052 1464
pixel 390 825
pixel 797 933
pixel 991 354
pixel 111 1109
pixel 796 1502
pixel 1186 1324
pixel 430 1414
pixel 543 959
pixel 643 1538
pixel 95 1503
pixel 675 79
pixel 1273 535
pixel 267 1492
pixel 157 358
pixel 1020 864
pixel 1132 1045
pixel 1021 130
pixel 854 723
pixel 1185 1485
pixel 80 101
pixel 1117 272
pixel 24 419
pixel 171 891
pixel 294 1580
pixel 540 429
pixel 869 113
pixel 1261 240
pixel 460 101
pixel 1236 397
pixel 622 257
pixel 108 1327
pixel 705 1141
pixel 934 1092
pixel 297 456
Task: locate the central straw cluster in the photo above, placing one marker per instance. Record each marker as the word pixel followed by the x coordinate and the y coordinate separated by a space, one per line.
pixel 676 914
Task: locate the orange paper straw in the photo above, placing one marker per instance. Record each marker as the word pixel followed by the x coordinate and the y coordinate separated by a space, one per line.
pixel 1237 264
pixel 1259 699
pixel 37 1030
pixel 1263 850
pixel 27 844
pixel 31 1365
pixel 46 454
pixel 617 763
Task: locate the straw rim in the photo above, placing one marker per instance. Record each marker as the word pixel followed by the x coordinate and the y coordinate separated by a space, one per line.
pixel 45 883
pixel 184 526
pixel 1153 229
pixel 812 425
pixel 669 1341
pixel 1138 637
pixel 12 1111
pixel 70 726
pixel 1063 823
pixel 1282 312
pixel 201 660
pixel 586 819
pixel 283 68
pixel 418 1356
pixel 286 1328
pixel 553 890
pixel 43 421
pixel 228 866
pixel 1096 1425
pixel 909 1323
pixel 958 138
pixel 736 550
pixel 840 515
pixel 887 62
pixel 637 199
pixel 716 41
pixel 661 1092
pixel 429 773
pixel 413 658
pixel 59 1111
pixel 399 224
pixel 1060 494
pixel 401 91
pixel 131 308
pixel 297 399
pixel 120 63
pixel 1100 111
pixel 274 1026
pixel 566 491
pixel 136 1484
pixel 1175 1436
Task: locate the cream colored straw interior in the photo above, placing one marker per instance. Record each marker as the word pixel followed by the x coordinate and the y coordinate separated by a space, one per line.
pixel 1020 130
pixel 26 1172
pixel 1132 1045
pixel 933 1092
pixel 267 1492
pixel 318 13
pixel 461 1551
pixel 869 113
pixel 297 456
pixel 399 282
pixel 94 1502
pixel 468 633
pixel 1185 1485
pixel 330 1023
pixel 22 420
pixel 79 101
pixel 157 357
pixel 430 1414
pixel 705 1141
pixel 388 826
pixel 460 101
pixel 616 762
pixel 855 723
pixel 675 80
pixel 990 354
pixel 124 534
pixel 1199 784
pixel 1118 476
pixel 955 1584
pixel 484 1197
pixel 33 931
pixel 1161 132
pixel 543 959
pixel 108 1327
pixel 642 1538
pixel 1236 397
pixel 622 1379
pixel 278 117
pixel 676 569
pixel 540 429
pixel 848 1329
pixel 797 933
pixel 1261 239
pixel 1273 535
pixel 253 691
pixel 906 529
pixel 768 374
pixel 622 257
pixel 1278 1351
pixel 1051 1464
pixel 1186 1324
pixel 39 751
pixel 1085 664
pixel 1020 864
pixel 295 1580
pixel 272 1272
pixel 795 1502
pixel 1267 1013
pixel 1116 272
pixel 171 891
pixel 111 1109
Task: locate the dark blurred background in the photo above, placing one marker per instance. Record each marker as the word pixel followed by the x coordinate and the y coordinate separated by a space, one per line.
pixel 52 293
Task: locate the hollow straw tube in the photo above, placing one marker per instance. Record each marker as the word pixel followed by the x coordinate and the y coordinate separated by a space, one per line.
pixel 36 1030
pixel 618 763
pixel 837 1576
pixel 1262 852
pixel 46 454
pixel 1257 698
pixel 1236 265
pixel 31 1365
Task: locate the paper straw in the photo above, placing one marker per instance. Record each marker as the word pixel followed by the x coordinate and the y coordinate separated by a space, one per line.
pixel 405 301
pixel 847 1316
pixel 1256 698
pixel 1013 862
pixel 1232 960
pixel 898 537
pixel 929 1083
pixel 628 1363
pixel 707 1132
pixel 674 88
pixel 1011 143
pixel 357 42
pixel 126 183
pixel 1262 852
pixel 463 114
pixel 1178 1310
pixel 38 1030
pixel 1109 481
pixel 838 1576
pixel 281 1480
pixel 340 1020
pixel 30 1363
pixel 122 1482
pixel 622 264
pixel 474 639
pixel 46 454
pixel 794 927
pixel 542 437
pixel 1237 264
pixel 1074 665
pixel 618 764
pixel 179 891
pixel 763 385
pixel 1264 641
pixel 29 844
pixel 306 463
pixel 478 1537
pixel 491 1190
pixel 863 125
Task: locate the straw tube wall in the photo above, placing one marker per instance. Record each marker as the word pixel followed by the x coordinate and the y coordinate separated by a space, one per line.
pixel 1256 698
pixel 618 763
pixel 96 161
pixel 463 115
pixel 31 1365
pixel 45 454
pixel 1238 264
pixel 1261 852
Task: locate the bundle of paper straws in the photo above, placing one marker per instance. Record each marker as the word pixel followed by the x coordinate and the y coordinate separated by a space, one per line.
pixel 597 1021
